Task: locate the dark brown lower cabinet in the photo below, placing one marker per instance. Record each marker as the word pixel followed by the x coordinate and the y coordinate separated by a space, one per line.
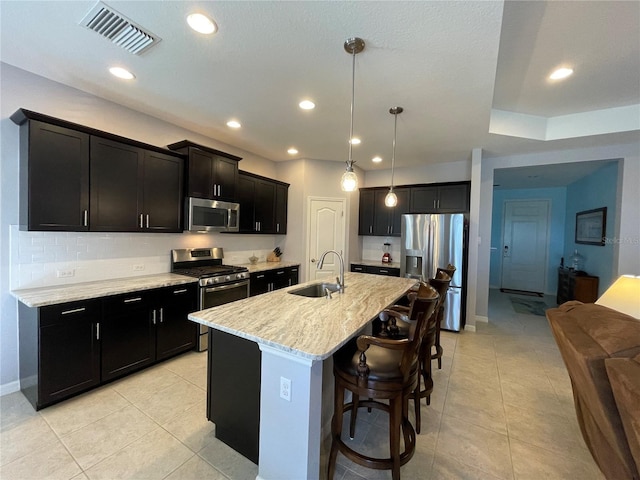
pixel 59 351
pixel 269 280
pixel 69 348
pixel 128 334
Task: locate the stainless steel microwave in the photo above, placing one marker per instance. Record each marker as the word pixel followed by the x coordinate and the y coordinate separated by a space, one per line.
pixel 204 215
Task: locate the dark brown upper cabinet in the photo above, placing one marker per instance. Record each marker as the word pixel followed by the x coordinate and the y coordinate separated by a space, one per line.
pixel 375 217
pixel 75 178
pixel 263 204
pixel 441 198
pixel 54 178
pixel 210 173
pixel 134 190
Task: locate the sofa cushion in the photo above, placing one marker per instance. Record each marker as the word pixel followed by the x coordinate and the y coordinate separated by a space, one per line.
pixel 586 335
pixel 624 375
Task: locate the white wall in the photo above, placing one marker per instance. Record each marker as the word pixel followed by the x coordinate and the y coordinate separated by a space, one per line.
pixel 431 173
pixel 30 259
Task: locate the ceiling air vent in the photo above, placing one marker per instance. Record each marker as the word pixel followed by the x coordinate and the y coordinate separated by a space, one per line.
pixel 119 29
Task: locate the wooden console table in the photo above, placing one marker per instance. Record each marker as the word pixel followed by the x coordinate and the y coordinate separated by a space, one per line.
pixel 576 285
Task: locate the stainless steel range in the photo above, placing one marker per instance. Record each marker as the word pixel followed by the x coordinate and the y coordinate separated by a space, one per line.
pixel 218 284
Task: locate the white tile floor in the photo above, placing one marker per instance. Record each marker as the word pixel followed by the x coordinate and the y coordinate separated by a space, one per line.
pixel 501 409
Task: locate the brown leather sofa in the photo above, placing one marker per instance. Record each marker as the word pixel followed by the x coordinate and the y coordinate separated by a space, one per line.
pixel 595 340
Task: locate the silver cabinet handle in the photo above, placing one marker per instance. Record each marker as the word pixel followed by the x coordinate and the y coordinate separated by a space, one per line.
pixel 277 227
pixel 141 220
pixel 85 217
pixel 214 189
pixel 370 228
pixel 75 310
pixel 147 220
pixel 98 331
pixel 153 316
pixel 182 290
pixel 161 315
pixel 384 271
pixel 260 276
pixel 219 190
pixel 280 272
pixel 131 300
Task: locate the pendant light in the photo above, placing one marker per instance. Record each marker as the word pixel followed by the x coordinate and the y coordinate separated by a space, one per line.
pixel 391 200
pixel 349 180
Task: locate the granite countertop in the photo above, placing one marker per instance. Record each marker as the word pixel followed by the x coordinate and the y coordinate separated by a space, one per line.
pixel 43 296
pixel 311 328
pixel 262 266
pixel 377 263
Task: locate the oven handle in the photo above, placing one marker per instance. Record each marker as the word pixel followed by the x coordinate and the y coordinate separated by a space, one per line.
pixel 226 287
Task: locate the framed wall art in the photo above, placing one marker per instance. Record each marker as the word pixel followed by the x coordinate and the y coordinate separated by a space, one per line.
pixel 591 226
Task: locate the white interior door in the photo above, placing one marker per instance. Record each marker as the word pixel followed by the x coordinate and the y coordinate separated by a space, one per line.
pixel 326 231
pixel 525 245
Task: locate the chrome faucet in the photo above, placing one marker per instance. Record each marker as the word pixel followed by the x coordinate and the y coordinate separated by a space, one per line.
pixel 341 279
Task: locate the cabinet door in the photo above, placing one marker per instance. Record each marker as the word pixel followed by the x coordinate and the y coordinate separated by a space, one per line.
pixel 162 192
pixel 175 333
pixel 280 279
pixel 424 199
pixel 282 197
pixel 382 214
pixel 259 283
pixel 200 169
pixel 225 177
pixel 69 360
pixel 292 276
pixel 116 199
pixel 54 172
pixel 400 209
pixel 365 215
pixel 453 198
pixel 128 334
pixel 246 198
pixel 265 205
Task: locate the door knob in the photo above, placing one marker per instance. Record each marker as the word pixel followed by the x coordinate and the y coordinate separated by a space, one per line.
pixel 313 260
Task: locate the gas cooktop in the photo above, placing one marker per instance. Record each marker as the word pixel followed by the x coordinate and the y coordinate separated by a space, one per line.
pixel 206 264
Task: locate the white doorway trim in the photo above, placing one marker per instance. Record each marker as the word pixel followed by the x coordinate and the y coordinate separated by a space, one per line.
pixel 343 203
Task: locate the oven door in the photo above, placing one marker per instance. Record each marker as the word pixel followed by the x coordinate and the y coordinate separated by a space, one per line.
pixel 214 296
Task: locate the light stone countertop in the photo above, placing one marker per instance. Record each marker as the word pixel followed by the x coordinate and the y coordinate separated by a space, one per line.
pixel 40 297
pixel 377 263
pixel 311 328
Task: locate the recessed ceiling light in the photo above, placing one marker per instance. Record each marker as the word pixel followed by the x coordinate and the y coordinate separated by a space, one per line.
pixel 122 73
pixel 233 124
pixel 202 24
pixel 307 105
pixel 376 159
pixel 292 151
pixel 355 141
pixel 561 73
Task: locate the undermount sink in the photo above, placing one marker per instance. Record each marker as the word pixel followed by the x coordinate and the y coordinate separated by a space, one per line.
pixel 316 290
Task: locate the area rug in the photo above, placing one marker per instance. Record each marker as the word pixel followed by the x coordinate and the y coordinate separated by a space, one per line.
pixel 531 307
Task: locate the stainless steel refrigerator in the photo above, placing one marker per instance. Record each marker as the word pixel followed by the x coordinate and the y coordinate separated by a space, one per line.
pixel 430 241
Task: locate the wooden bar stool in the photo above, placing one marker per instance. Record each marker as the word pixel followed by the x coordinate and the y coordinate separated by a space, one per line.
pixel 437 355
pixel 399 328
pixel 380 369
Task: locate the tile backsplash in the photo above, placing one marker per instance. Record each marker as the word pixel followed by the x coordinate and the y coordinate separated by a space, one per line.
pixel 41 259
pixel 372 248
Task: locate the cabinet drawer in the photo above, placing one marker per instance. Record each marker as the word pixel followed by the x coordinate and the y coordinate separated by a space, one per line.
pixel 127 302
pixel 54 314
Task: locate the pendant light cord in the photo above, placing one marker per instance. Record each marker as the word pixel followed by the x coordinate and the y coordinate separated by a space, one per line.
pixel 393 156
pixel 353 96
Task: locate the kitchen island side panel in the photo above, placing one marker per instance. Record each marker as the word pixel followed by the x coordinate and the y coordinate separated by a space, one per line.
pixel 233 395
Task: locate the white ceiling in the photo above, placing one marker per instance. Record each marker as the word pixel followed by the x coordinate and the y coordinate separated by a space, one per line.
pixel 450 64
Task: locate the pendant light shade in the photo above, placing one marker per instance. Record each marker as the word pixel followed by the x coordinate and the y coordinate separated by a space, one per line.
pixel 391 200
pixel 349 182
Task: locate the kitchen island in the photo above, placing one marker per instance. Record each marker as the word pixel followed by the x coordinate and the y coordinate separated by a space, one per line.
pixel 295 335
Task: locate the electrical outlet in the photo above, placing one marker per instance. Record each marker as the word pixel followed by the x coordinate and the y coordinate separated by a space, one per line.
pixel 138 267
pixel 285 388
pixel 65 273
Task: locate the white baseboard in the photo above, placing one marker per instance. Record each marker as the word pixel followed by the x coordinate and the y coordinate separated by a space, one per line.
pixel 10 387
pixel 469 328
pixel 482 319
